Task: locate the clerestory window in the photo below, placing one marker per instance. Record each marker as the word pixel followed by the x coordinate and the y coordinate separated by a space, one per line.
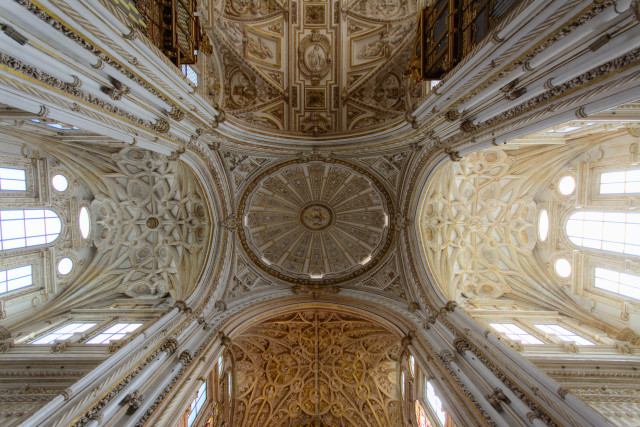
pixel 421 416
pixel 608 231
pixel 114 333
pixel 617 282
pixel 28 227
pixel 64 333
pixel 13 179
pixel 563 334
pixel 16 278
pixel 620 182
pixel 515 333
pixel 197 403
pixel 435 403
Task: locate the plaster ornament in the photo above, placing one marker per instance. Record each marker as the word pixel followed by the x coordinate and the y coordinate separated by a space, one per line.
pixel 310 222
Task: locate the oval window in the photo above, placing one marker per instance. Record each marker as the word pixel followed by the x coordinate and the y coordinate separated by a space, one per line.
pixel 84 222
pixel 59 182
pixel 65 265
pixel 566 185
pixel 563 267
pixel 543 225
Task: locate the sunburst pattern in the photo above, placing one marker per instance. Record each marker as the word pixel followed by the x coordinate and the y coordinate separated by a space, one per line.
pixel 316 220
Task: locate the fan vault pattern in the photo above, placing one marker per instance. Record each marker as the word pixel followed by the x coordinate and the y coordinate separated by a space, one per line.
pixel 317 366
pixel 305 221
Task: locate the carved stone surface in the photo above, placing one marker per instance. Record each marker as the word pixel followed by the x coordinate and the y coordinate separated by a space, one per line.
pixel 294 367
pixel 150 183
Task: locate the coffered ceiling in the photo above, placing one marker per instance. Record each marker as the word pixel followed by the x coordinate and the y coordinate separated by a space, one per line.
pixel 313 68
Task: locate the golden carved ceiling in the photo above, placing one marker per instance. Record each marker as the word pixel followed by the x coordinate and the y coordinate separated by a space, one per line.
pixel 313 67
pixel 317 367
pixel 315 221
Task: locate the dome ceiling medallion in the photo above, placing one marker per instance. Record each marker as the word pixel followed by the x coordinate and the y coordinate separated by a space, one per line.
pixel 311 223
pixel 313 68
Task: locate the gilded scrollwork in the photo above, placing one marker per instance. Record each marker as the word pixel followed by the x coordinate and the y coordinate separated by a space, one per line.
pixel 317 366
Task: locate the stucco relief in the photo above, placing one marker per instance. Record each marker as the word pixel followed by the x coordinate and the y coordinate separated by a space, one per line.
pixel 336 368
pixel 344 56
pixel 309 221
pixel 476 224
pixel 152 222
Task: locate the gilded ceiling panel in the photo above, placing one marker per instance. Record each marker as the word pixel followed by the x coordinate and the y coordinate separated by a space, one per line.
pixel 321 66
pixel 317 367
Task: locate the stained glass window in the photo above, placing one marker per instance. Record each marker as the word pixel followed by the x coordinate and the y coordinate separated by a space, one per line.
pixel 421 416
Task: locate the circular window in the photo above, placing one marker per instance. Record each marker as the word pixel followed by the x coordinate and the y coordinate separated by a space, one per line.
pixel 83 220
pixel 566 185
pixel 59 182
pixel 65 265
pixel 543 225
pixel 563 267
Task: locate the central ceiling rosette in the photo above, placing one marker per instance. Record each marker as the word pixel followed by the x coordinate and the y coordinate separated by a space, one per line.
pixel 316 222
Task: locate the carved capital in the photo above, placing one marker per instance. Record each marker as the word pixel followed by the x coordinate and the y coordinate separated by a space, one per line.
pixel 117 89
pixel 461 345
pixel 161 126
pixel 133 400
pixel 454 155
pixel 452 115
pixel 59 346
pixel 5 334
pixel 430 321
pixel 176 113
pixel 562 392
pixel 185 357
pixel 170 345
pixel 497 398
pixel 627 334
pixel 224 340
pixel 446 357
pixel 449 307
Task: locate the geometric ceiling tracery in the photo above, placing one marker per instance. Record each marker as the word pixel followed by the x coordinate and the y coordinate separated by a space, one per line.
pixel 317 367
pixel 313 67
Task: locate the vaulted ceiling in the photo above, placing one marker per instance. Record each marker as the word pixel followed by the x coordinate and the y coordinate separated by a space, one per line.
pixel 313 68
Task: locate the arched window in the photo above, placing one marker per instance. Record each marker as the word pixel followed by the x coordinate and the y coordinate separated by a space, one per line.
pixel 28 227
pixel 197 404
pixel 608 231
pixel 436 403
